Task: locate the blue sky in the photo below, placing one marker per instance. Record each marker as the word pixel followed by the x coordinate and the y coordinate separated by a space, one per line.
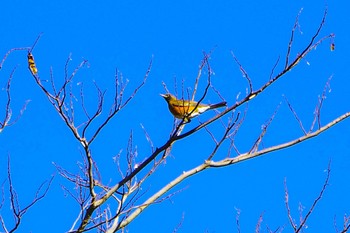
pixel 125 35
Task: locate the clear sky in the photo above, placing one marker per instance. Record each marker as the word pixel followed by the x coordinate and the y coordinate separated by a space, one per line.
pixel 125 35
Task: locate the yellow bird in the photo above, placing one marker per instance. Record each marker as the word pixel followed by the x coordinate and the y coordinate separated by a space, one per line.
pixel 31 64
pixel 187 109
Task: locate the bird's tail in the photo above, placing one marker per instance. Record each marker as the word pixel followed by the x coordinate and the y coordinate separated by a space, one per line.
pixel 218 105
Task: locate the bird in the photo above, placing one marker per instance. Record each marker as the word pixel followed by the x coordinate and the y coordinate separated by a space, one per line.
pixel 31 64
pixel 187 109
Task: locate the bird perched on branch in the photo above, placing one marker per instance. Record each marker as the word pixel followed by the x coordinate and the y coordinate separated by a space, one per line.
pixel 187 109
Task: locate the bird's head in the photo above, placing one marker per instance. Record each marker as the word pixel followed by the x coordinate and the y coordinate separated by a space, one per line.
pixel 168 97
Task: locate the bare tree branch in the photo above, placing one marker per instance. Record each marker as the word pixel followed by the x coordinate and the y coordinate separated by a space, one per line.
pixel 258 224
pixel 180 223
pixel 9 52
pixel 326 182
pixel 244 73
pixel 6 121
pixel 109 207
pixel 296 25
pixel 17 211
pixel 317 112
pixel 295 115
pixel 286 196
pixel 318 198
pixel 238 214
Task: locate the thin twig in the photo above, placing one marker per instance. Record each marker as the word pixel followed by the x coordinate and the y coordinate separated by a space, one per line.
pixel 295 115
pixel 11 51
pixel 244 73
pixel 325 184
pixel 296 24
pixel 286 196
pixel 318 108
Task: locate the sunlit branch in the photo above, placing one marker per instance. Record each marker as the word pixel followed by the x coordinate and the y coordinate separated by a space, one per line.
pixel 230 161
pixel 154 199
pixel 245 156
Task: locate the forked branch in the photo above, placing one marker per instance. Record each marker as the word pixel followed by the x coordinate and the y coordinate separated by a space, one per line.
pixel 17 211
pixel 318 198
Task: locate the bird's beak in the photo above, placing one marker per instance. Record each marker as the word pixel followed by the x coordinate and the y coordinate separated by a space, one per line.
pixel 162 95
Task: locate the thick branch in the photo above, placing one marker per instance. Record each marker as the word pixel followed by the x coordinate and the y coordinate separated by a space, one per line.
pixel 225 162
